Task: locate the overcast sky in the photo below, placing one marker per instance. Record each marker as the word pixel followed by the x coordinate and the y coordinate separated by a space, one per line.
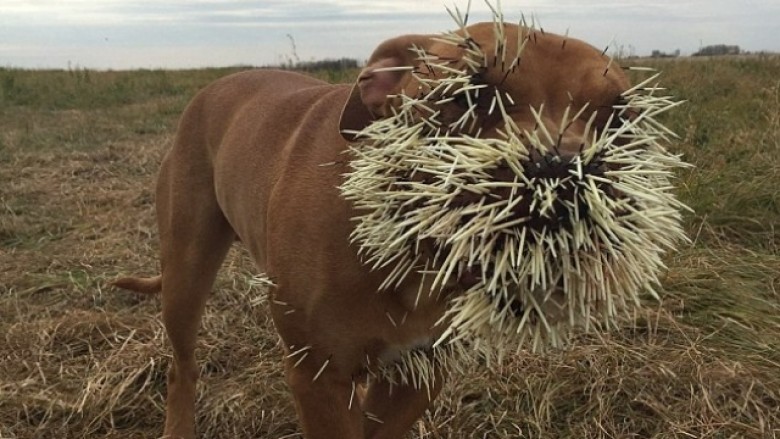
pixel 121 34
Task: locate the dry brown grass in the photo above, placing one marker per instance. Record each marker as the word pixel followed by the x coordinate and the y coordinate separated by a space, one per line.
pixel 79 360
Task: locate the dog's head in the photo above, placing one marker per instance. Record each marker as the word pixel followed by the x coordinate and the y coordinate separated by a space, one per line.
pixel 529 69
pixel 517 164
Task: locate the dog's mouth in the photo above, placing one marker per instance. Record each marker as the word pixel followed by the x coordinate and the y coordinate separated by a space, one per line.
pixel 539 237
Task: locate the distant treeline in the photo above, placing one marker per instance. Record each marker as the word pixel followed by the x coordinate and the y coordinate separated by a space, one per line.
pixel 713 50
pixel 325 64
pixel 718 49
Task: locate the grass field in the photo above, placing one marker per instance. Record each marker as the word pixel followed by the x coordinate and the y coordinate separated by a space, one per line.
pixel 78 154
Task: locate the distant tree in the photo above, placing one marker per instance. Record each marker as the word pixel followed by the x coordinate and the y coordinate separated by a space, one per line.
pixel 718 49
pixel 328 64
pixel 293 62
pixel 660 54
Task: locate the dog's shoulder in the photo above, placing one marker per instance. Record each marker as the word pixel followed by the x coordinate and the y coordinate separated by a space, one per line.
pixel 273 87
pixel 261 78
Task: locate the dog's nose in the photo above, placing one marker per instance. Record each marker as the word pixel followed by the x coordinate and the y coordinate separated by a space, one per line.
pixel 550 164
pixel 562 160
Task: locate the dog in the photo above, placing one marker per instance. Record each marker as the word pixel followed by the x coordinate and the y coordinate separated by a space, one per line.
pixel 259 157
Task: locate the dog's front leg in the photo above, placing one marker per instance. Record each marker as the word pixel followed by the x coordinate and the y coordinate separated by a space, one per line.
pixel 393 409
pixel 324 401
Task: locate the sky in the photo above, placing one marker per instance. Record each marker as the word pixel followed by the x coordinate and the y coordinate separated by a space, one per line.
pixel 130 34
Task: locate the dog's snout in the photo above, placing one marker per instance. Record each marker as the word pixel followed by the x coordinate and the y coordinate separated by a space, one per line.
pixel 570 146
pixel 560 159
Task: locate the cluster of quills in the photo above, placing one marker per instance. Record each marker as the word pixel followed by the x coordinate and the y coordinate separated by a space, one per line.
pixel 548 243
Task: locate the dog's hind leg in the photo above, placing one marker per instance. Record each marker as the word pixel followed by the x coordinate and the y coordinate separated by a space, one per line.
pixel 194 239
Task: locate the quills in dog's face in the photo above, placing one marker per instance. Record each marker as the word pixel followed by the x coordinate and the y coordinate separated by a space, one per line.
pixel 420 368
pixel 468 180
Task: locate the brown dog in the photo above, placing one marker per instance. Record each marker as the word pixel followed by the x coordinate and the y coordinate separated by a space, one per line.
pixel 247 164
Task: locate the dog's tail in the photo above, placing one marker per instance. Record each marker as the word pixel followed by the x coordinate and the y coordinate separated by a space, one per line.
pixel 145 285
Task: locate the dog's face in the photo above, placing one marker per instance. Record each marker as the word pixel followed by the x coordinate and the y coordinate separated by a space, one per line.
pixel 518 164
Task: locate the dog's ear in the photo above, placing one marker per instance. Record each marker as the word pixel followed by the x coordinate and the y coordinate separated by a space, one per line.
pixel 368 99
